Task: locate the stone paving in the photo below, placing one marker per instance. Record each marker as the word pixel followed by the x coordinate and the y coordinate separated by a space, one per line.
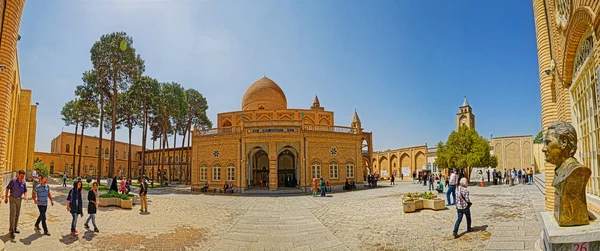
pixel 505 218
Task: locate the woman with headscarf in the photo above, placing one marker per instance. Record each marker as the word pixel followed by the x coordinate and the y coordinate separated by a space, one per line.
pixel 323 187
pixel 75 205
pixel 463 206
pixel 315 187
pixel 113 185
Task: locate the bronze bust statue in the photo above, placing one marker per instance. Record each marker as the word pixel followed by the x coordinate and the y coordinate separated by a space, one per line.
pixel 570 177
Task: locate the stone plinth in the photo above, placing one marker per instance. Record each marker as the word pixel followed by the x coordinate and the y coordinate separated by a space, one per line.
pixel 558 238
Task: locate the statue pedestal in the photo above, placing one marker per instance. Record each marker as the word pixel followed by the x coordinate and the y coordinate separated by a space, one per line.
pixel 558 238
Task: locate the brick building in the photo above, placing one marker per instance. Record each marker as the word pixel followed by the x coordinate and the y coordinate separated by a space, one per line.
pixel 175 161
pixel 568 43
pixel 60 157
pixel 266 141
pixel 17 114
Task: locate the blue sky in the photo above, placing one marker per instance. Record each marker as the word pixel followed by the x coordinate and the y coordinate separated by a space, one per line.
pixel 405 66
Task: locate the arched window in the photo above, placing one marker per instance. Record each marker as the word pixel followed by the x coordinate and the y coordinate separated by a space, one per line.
pixel 116 154
pixel 68 148
pixel 315 170
pixel 216 172
pixel 203 172
pixel 584 107
pixel 106 153
pixel 350 170
pixel 176 159
pixel 96 151
pixel 333 170
pixel 230 172
pixel 79 149
pixel 86 150
pixel 124 154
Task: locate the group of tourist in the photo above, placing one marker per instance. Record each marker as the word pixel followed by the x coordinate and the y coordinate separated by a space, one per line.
pixel 16 191
pixel 509 177
pixel 372 179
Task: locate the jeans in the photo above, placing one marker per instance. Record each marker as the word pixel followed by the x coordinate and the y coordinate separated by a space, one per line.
pixel 461 212
pixel 15 211
pixel 322 191
pixel 42 217
pixel 93 218
pixel 74 222
pixel 431 186
pixel 451 190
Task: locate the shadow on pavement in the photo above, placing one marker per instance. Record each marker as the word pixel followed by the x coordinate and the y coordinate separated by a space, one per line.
pixel 68 239
pixel 144 213
pixel 27 240
pixel 6 238
pixel 88 235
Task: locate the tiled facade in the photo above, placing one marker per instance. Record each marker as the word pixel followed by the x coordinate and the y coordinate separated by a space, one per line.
pixel 266 139
pixel 568 39
pixel 60 157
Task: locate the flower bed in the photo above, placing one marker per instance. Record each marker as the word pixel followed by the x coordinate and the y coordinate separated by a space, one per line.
pixel 416 201
pixel 113 198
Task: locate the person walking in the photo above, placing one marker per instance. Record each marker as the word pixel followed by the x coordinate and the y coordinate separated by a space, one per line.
pixel 18 192
pixel 431 186
pixel 40 196
pixel 414 177
pixel 488 175
pixel 65 179
pixel 322 184
pixel 35 178
pixel 451 189
pixel 392 180
pixel 75 205
pixel 92 207
pixel 143 193
pixel 315 187
pixel 463 207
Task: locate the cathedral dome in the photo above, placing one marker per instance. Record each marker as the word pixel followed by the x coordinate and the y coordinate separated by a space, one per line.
pixel 264 94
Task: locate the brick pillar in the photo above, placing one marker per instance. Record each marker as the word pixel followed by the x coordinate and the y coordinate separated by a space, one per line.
pixel 273 186
pixel 8 50
pixel 31 138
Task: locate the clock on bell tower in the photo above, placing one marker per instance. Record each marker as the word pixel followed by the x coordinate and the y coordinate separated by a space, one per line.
pixel 465 115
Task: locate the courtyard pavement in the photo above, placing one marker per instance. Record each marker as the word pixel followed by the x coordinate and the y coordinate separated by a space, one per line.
pixel 505 218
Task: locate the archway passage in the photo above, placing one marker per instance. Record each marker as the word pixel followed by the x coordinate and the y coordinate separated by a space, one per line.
pixel 258 161
pixel 287 173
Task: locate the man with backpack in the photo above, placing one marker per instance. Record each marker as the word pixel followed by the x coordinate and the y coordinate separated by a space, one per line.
pixel 143 191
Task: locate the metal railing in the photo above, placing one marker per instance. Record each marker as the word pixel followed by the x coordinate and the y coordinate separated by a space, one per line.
pixel 283 123
pixel 224 130
pixel 279 124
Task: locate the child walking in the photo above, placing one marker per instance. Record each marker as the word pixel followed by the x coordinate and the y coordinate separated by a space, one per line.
pixel 74 205
pixel 92 207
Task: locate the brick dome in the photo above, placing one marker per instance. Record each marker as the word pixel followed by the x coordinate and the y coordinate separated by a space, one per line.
pixel 264 94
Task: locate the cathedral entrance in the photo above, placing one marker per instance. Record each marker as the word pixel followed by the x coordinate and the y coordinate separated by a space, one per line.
pixel 287 168
pixel 258 163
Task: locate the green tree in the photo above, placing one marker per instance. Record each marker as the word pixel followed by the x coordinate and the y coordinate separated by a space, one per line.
pixel 115 53
pixel 464 149
pixel 96 89
pixel 129 112
pixel 88 112
pixel 196 114
pixel 144 91
pixel 175 107
pixel 42 167
pixel 539 138
pixel 70 115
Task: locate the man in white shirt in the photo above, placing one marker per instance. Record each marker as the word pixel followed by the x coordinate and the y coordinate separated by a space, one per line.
pixel 36 179
pixel 451 188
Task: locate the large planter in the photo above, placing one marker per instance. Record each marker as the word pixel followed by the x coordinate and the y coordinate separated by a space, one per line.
pixel 419 204
pixel 409 207
pixel 107 202
pixel 435 204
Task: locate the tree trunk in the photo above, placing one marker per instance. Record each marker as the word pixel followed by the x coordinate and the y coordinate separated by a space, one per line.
pixel 189 158
pixel 129 151
pixel 181 156
pixel 144 132
pixel 80 144
pixel 115 97
pixel 174 154
pixel 74 150
pixel 162 151
pixel 153 161
pixel 100 141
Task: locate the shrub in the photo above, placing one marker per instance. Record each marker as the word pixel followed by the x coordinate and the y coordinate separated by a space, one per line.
pixel 113 194
pixel 88 180
pixel 43 168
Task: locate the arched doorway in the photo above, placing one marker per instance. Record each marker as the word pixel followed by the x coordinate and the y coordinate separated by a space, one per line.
pixel 287 175
pixel 258 168
pixel 52 167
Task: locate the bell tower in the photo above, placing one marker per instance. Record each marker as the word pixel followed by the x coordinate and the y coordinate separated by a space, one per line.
pixel 465 115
